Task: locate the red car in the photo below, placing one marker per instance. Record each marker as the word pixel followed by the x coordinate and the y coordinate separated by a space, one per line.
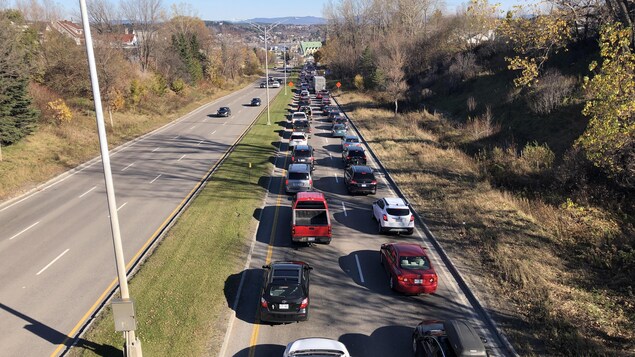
pixel 409 268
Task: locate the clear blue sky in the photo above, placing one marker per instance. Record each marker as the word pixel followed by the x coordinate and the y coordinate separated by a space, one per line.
pixel 247 9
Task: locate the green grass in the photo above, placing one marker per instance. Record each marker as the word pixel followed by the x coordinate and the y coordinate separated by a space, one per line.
pixel 179 291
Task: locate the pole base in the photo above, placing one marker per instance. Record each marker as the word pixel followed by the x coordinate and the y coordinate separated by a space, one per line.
pixel 133 348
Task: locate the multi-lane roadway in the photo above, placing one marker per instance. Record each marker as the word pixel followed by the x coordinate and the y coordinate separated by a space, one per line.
pixel 350 297
pixel 55 243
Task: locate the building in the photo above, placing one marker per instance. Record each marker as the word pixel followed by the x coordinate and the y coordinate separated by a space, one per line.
pixel 309 48
pixel 70 29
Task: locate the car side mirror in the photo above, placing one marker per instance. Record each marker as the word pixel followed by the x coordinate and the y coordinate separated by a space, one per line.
pixel 266 266
pixel 308 268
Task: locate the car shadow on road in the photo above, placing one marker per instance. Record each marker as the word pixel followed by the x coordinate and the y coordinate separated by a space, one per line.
pixel 246 306
pixel 394 340
pixel 336 148
pixel 261 350
pixel 357 217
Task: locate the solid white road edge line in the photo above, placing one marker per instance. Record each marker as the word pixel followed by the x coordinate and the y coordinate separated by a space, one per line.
pixel 156 178
pixel 51 263
pixel 87 192
pixel 25 229
pixel 125 168
pixel 359 268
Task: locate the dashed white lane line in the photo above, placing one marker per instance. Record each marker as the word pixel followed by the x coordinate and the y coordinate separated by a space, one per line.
pixel 51 263
pixel 126 168
pixel 181 158
pixel 213 132
pixel 200 142
pixel 193 127
pixel 359 268
pixel 344 208
pixel 337 181
pixel 120 207
pixel 156 178
pixel 87 192
pixel 176 137
pixel 225 123
pixel 326 141
pixel 156 149
pixel 24 230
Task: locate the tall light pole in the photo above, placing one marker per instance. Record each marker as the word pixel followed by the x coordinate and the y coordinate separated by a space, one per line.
pixel 125 305
pixel 264 29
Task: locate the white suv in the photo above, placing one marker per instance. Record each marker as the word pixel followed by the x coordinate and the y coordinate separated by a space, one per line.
pixel 297 138
pixel 298 116
pixel 393 214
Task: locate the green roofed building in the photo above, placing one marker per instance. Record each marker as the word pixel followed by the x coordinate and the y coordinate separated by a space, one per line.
pixel 309 48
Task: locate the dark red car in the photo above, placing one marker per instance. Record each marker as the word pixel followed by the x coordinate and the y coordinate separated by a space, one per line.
pixel 409 269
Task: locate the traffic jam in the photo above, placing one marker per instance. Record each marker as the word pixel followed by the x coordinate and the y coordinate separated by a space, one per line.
pixel 314 122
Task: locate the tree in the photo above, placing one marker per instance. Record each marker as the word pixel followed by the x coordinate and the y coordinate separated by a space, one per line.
pixel 609 140
pixel 144 16
pixel 102 15
pixel 624 12
pixel 17 117
pixel 391 66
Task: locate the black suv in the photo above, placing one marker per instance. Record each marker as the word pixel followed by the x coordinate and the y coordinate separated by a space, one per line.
pixel 255 102
pixel 447 338
pixel 354 155
pixel 224 112
pixel 303 126
pixel 360 179
pixel 285 296
pixel 303 154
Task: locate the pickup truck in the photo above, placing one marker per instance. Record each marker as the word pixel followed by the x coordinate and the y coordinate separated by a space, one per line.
pixel 310 219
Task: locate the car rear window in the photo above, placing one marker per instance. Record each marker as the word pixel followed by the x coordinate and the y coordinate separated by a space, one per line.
pixel 301 124
pixel 298 176
pixel 363 176
pixel 418 262
pixel 339 127
pixel 310 205
pixel 352 140
pixel 398 211
pixel 303 153
pixel 297 137
pixel 356 153
pixel 288 291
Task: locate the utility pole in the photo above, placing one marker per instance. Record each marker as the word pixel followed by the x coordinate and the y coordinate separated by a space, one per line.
pixel 125 319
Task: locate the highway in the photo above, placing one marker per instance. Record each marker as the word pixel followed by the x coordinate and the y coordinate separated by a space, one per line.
pixel 55 243
pixel 350 298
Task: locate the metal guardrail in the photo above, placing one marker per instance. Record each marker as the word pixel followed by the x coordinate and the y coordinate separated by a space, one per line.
pixel 491 325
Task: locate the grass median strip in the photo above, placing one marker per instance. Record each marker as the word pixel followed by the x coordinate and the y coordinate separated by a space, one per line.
pixel 179 291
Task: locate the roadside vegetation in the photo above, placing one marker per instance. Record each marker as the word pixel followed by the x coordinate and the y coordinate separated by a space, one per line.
pixel 47 119
pixel 513 135
pixel 180 290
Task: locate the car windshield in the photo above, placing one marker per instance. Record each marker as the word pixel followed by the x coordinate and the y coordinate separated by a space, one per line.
pixel 418 262
pixel 297 137
pixel 286 291
pixel 398 211
pixel 298 176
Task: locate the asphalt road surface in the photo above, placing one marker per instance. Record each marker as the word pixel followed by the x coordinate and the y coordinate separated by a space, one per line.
pixel 350 297
pixel 55 244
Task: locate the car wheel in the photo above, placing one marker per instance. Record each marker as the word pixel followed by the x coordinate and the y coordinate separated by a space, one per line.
pixel 381 259
pixel 410 231
pixel 391 283
pixel 380 229
pixel 415 347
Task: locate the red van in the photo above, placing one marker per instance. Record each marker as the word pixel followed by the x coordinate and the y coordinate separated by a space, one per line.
pixel 310 219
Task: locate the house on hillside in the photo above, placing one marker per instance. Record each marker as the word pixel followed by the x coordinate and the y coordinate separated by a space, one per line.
pixel 72 30
pixel 308 48
pixel 490 35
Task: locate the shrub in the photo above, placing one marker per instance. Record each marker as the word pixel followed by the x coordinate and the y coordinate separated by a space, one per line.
pixel 61 112
pixel 178 86
pixel 482 126
pixel 464 66
pixel 159 86
pixel 358 81
pixel 550 92
pixel 471 104
pixel 537 157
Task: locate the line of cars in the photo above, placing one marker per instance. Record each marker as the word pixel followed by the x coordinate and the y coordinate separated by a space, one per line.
pixel 285 296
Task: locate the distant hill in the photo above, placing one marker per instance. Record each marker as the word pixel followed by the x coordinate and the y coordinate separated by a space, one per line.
pixel 289 20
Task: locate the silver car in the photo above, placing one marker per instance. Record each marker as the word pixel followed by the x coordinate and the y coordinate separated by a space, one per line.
pixel 350 140
pixel 338 131
pixel 298 178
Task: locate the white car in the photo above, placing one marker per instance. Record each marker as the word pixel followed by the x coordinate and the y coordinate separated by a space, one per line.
pixel 393 214
pixel 274 84
pixel 316 347
pixel 298 116
pixel 297 138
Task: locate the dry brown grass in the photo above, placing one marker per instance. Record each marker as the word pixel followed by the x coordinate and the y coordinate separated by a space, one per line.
pixel 54 149
pixel 542 300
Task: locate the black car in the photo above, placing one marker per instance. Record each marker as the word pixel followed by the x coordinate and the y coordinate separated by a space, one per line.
pixel 303 154
pixel 285 297
pixel 360 179
pixel 354 155
pixel 447 338
pixel 255 102
pixel 223 112
pixel 302 126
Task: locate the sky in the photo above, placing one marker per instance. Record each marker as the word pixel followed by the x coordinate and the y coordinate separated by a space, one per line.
pixel 248 9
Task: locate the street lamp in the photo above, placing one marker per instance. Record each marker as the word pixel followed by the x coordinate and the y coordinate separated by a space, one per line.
pixel 123 309
pixel 264 29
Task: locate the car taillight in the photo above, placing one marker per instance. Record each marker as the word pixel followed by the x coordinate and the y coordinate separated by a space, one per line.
pixel 286 182
pixel 348 158
pixel 310 182
pixel 292 158
pixel 304 303
pixel 374 182
pixel 263 302
pixel 385 218
pixel 353 181
pixel 329 230
pixel 402 278
pixel 293 230
pixel 412 218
